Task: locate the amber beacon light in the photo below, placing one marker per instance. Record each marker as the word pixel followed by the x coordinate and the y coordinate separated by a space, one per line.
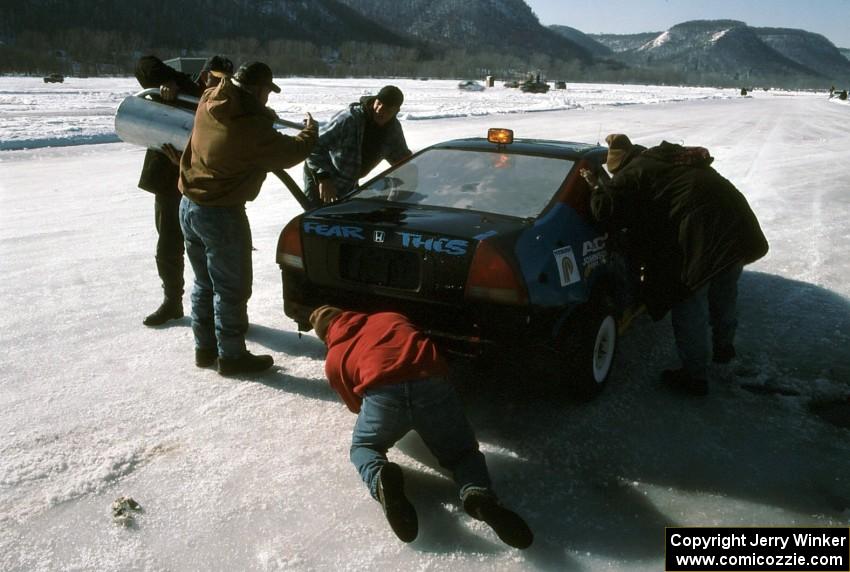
pixel 500 136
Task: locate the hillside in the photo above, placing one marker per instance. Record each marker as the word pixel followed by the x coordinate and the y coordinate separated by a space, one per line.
pixel 320 37
pixel 811 50
pixel 191 23
pixel 623 42
pixel 503 26
pixel 597 49
pixel 295 36
pixel 412 38
pixel 718 51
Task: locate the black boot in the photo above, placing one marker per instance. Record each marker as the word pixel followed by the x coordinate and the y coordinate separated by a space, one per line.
pixel 399 512
pixel 680 381
pixel 482 504
pixel 205 357
pixel 246 363
pixel 168 310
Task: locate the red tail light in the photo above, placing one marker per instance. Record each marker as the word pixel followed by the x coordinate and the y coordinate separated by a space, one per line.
pixel 289 249
pixel 492 278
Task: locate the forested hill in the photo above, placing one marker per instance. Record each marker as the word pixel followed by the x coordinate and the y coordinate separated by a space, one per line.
pixel 412 38
pixel 320 37
pixel 500 26
pixel 718 51
pixel 192 23
pixel 106 36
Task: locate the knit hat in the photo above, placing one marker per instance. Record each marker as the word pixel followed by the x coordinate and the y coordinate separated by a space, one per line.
pixel 619 149
pixel 218 66
pixel 321 319
pixel 391 96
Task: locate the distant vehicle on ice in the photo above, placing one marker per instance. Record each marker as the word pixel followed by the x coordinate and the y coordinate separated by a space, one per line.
pixel 54 78
pixel 470 85
pixel 534 87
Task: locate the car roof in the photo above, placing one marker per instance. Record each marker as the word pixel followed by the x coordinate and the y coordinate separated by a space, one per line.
pixel 545 147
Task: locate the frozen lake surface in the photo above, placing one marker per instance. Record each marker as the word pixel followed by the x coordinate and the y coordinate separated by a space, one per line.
pixel 239 474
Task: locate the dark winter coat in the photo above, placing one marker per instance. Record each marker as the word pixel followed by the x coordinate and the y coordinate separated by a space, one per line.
pixel 232 147
pixel 685 222
pixel 159 174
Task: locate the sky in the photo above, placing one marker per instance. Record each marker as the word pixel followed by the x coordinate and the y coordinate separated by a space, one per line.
pixel 830 18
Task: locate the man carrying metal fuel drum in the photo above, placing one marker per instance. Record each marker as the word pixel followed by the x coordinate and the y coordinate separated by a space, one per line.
pixel 159 176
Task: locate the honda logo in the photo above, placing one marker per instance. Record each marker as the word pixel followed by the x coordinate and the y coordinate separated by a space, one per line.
pixel 379 236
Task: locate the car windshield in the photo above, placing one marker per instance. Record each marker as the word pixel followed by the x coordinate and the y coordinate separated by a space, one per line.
pixel 493 182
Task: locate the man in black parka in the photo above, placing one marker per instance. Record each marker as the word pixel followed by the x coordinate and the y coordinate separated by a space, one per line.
pixel 693 231
pixel 159 176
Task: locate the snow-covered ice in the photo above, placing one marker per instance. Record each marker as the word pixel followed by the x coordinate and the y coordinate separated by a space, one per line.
pixel 238 474
pixel 82 110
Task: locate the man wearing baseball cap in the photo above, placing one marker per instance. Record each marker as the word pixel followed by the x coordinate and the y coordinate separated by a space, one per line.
pixel 257 78
pixel 232 147
pixel 353 143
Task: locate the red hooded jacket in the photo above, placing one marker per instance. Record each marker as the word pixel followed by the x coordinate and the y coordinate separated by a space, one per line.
pixel 365 350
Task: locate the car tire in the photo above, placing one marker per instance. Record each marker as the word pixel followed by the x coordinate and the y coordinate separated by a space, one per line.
pixel 588 350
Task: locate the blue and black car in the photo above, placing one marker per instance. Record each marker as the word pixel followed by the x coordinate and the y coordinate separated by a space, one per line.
pixel 484 243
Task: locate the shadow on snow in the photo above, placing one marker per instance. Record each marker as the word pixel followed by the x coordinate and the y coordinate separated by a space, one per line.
pixel 606 477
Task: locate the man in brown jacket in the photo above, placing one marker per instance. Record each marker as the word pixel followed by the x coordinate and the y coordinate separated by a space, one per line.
pixel 232 147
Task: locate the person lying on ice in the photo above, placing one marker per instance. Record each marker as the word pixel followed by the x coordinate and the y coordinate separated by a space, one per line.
pixel 393 377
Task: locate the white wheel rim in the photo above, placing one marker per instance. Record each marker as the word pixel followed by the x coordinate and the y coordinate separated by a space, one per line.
pixel 603 348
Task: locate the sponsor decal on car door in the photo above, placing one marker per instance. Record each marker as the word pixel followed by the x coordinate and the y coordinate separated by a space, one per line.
pixel 568 269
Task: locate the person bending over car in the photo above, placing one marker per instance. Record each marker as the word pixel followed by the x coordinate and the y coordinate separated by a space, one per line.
pixel 353 143
pixel 159 176
pixel 232 147
pixel 694 232
pixel 393 377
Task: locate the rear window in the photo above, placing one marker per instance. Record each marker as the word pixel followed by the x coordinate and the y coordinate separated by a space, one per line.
pixel 500 183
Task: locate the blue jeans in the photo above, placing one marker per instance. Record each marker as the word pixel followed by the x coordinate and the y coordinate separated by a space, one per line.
pixel 432 408
pixel 714 304
pixel 218 243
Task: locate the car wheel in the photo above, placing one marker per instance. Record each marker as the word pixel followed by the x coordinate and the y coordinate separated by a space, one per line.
pixel 588 350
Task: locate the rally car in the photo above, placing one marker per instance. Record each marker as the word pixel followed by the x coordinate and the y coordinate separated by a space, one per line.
pixel 482 242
